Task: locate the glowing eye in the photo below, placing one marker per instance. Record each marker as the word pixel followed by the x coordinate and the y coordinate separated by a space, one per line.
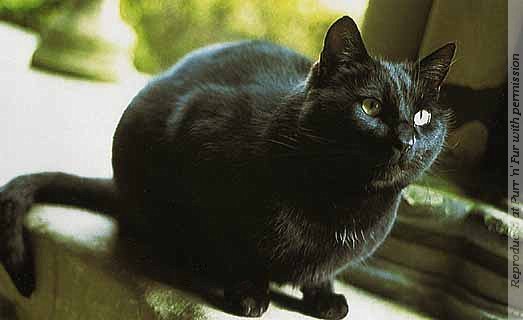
pixel 422 117
pixel 371 106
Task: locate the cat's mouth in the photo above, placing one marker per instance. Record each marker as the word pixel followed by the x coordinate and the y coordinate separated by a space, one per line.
pixel 399 173
pixel 393 176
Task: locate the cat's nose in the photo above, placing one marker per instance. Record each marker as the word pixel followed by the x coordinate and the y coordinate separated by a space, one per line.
pixel 405 138
pixel 403 142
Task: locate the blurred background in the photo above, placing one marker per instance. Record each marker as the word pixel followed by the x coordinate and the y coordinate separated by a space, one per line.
pixel 69 67
pixel 163 31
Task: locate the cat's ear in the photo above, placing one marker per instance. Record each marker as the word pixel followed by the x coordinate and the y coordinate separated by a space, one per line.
pixel 435 66
pixel 342 43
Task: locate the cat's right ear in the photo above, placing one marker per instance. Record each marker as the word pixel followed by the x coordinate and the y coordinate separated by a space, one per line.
pixel 343 43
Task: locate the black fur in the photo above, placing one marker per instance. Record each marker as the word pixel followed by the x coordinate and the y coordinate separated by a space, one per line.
pixel 258 165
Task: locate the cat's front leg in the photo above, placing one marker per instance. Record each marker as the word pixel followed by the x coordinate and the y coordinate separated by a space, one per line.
pixel 248 298
pixel 320 301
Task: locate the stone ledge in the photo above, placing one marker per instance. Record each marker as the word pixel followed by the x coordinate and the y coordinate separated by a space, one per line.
pixel 80 275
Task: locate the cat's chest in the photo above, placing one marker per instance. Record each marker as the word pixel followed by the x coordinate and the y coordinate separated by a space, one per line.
pixel 314 248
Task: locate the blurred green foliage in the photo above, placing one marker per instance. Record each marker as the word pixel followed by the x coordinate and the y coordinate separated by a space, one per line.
pixel 168 29
pixel 32 14
pixel 22 4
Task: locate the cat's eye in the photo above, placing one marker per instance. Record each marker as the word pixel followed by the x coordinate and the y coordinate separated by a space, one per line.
pixel 371 106
pixel 422 117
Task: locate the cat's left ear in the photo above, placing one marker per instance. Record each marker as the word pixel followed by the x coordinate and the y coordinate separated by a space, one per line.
pixel 435 66
pixel 342 43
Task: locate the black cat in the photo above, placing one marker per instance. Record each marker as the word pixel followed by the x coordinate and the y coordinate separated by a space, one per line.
pixel 257 165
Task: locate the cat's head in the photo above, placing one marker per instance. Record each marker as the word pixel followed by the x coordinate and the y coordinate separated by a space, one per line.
pixel 381 115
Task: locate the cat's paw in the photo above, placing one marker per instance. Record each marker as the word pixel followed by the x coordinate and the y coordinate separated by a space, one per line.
pixel 15 255
pixel 250 306
pixel 252 302
pixel 327 306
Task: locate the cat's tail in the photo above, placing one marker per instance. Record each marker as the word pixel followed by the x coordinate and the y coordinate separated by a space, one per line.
pixel 17 197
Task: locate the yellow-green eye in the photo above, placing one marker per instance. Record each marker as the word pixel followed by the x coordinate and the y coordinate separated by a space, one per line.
pixel 371 106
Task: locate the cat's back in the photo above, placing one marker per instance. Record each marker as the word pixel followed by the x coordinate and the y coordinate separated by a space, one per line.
pixel 235 77
pixel 240 63
pixel 208 106
pixel 257 72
